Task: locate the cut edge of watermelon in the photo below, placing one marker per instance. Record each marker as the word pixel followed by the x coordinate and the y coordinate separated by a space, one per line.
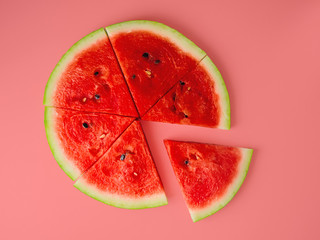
pixel 70 169
pixel 159 28
pixel 155 200
pixel 221 91
pixel 197 214
pixel 66 59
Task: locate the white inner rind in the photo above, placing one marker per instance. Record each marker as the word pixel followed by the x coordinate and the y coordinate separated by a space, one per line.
pixel 66 59
pixel 221 90
pixel 215 205
pixel 171 34
pixel 55 144
pixel 121 201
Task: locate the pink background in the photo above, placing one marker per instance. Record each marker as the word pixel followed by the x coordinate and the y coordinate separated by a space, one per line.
pixel 268 53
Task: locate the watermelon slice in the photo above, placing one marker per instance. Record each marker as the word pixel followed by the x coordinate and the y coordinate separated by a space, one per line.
pixel 77 139
pixel 200 98
pixel 88 78
pixel 125 176
pixel 209 175
pixel 153 57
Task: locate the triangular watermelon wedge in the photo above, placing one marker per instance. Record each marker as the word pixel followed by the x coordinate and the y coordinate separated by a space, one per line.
pixel 200 98
pixel 209 175
pixel 88 78
pixel 125 176
pixel 153 57
pixel 77 139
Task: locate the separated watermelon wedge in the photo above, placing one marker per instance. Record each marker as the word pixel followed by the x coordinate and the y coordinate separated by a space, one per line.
pixel 209 175
pixel 88 78
pixel 77 139
pixel 125 176
pixel 153 57
pixel 200 98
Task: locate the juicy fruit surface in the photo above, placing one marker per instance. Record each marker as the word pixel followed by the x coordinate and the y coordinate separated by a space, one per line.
pixel 204 171
pixel 126 169
pixel 93 81
pixel 193 100
pixel 84 137
pixel 151 65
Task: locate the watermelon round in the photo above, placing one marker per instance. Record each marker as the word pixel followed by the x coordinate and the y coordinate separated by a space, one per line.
pixel 115 75
pixel 209 175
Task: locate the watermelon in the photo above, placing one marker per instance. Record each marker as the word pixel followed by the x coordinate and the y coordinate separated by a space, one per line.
pixel 125 176
pixel 209 175
pixel 77 139
pixel 88 78
pixel 153 57
pixel 200 98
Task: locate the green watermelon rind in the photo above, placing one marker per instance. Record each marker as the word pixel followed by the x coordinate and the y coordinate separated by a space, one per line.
pixel 221 90
pixel 198 214
pixel 66 59
pixel 173 35
pixel 151 201
pixel 57 150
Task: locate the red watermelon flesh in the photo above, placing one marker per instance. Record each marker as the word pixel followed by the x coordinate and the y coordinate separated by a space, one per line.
pixel 78 139
pixel 200 98
pixel 89 78
pixel 125 176
pixel 209 175
pixel 151 63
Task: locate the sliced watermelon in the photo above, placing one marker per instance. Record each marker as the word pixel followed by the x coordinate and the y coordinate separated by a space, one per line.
pixel 77 139
pixel 125 176
pixel 200 98
pixel 88 78
pixel 209 175
pixel 153 57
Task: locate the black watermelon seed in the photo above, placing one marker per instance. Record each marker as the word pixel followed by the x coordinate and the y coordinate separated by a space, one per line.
pixel 186 162
pixel 174 96
pixel 145 55
pixel 133 76
pixel 123 156
pixel 182 83
pixel 85 125
pixel 97 96
pixel 186 116
pixel 157 61
pixel 96 73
